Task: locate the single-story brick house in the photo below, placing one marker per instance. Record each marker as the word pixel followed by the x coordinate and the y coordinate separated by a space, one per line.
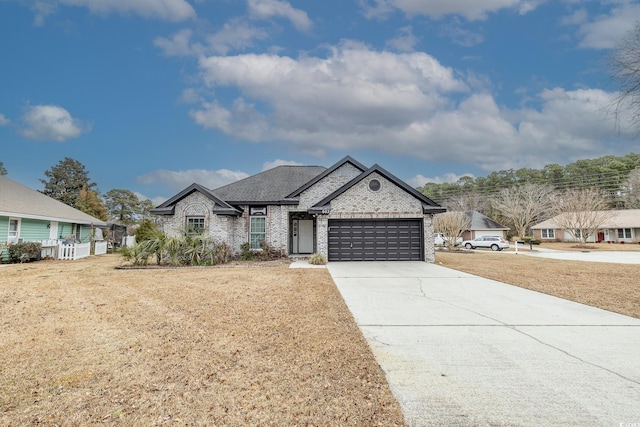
pixel 481 225
pixel 620 226
pixel 347 212
pixel 26 215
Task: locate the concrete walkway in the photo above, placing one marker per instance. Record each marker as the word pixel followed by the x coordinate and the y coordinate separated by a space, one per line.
pixel 460 350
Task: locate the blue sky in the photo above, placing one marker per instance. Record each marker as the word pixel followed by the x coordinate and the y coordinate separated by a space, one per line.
pixel 153 95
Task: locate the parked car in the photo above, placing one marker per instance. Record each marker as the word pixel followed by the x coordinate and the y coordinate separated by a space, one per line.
pixel 439 240
pixel 496 243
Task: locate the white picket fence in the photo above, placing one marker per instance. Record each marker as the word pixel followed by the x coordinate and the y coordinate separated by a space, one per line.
pixel 100 248
pixel 74 250
pixel 71 251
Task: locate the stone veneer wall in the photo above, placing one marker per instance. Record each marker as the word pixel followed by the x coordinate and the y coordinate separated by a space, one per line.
pixel 389 202
pixel 194 204
pixel 326 186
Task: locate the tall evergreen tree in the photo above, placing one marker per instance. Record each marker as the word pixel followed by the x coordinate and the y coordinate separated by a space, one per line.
pixel 3 171
pixel 89 203
pixel 123 205
pixel 66 180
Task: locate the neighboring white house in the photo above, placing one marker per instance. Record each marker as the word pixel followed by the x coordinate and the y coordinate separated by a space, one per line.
pixel 620 226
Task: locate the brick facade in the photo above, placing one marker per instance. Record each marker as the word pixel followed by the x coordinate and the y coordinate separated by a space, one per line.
pixel 359 201
pixel 389 202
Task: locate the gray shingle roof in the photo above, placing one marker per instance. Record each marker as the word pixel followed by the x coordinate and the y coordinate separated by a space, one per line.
pixel 273 185
pixel 483 222
pixel 23 202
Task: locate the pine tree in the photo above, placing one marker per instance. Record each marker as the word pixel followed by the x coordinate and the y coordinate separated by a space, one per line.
pixel 66 180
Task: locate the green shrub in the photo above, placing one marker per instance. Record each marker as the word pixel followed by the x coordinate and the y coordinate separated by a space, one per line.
pixel 24 252
pixel 147 230
pixel 317 259
pixel 245 252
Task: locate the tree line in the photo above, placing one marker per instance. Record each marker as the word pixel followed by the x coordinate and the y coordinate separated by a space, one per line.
pixel 578 195
pixel 68 181
pixel 617 177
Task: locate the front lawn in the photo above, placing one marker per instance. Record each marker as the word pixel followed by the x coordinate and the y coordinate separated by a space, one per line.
pixel 83 343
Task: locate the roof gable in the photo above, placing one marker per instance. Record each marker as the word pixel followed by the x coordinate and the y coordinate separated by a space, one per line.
pixel 21 201
pixel 167 208
pixel 338 165
pixel 428 205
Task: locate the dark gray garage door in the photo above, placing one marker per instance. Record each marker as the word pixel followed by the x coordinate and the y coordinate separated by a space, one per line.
pixel 375 240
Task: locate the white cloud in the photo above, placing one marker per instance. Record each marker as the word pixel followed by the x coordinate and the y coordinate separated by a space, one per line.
pixel 234 35
pixel 42 10
pixel 405 41
pixel 470 9
pixel 353 90
pixel 605 31
pixel 178 180
pixel 166 10
pixel 4 121
pixel 179 44
pixel 458 35
pixel 51 123
pixel 360 99
pixel 279 162
pixel 420 180
pixel 265 9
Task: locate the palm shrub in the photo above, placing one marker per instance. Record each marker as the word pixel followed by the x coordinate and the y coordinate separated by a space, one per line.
pixel 138 254
pixel 187 250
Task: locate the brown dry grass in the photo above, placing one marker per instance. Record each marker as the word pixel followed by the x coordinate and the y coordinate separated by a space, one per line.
pixel 83 343
pixel 613 287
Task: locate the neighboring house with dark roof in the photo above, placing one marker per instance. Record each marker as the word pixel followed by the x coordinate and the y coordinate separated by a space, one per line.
pixel 28 215
pixel 482 225
pixel 347 212
pixel 620 226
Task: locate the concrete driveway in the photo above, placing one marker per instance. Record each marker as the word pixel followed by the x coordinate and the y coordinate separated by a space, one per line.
pixel 460 350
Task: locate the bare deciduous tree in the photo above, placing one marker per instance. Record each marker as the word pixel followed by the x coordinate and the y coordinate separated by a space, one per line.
pixel 625 71
pixel 631 190
pixel 581 212
pixel 451 225
pixel 523 205
pixel 467 202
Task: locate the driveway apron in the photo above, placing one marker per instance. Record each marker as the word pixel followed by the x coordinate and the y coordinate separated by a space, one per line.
pixel 461 350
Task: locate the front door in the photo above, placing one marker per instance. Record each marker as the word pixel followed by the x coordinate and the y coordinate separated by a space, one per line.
pixel 302 235
pixel 305 236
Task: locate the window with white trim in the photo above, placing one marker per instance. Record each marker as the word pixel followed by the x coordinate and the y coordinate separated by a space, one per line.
pixel 257 226
pixel 624 233
pixel 195 224
pixel 548 233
